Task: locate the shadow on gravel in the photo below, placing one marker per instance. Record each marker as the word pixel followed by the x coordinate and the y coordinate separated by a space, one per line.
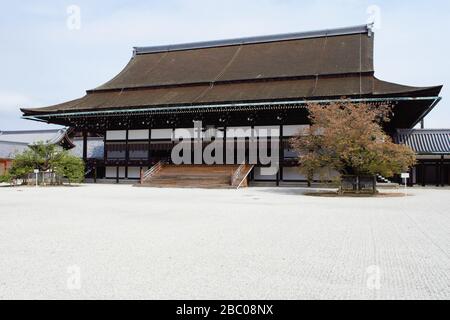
pixel 330 193
pixel 293 191
pixel 356 195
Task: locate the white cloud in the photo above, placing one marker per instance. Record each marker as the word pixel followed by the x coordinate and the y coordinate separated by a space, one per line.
pixel 10 115
pixel 10 102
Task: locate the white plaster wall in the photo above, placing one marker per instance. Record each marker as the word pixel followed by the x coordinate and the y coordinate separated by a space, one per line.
pixel 116 135
pixel 138 134
pixel 134 172
pixel 111 172
pixel 162 133
pixel 185 133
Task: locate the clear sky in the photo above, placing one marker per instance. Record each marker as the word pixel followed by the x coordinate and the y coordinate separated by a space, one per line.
pixel 46 59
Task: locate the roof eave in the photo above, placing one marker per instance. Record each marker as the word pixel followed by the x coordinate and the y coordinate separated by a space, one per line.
pixel 133 109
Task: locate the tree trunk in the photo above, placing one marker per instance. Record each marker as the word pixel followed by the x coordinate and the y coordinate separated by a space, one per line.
pixel 310 178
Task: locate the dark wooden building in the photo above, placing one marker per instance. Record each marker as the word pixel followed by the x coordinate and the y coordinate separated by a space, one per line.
pixel 250 83
pixel 433 155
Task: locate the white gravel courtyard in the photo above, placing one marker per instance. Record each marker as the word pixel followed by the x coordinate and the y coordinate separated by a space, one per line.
pixel 119 241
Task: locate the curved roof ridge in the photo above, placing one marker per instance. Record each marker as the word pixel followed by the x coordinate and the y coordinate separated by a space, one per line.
pixel 49 136
pixel 28 131
pixel 256 39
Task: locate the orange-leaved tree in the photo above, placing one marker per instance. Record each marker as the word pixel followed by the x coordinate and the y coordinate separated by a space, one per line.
pixel 348 137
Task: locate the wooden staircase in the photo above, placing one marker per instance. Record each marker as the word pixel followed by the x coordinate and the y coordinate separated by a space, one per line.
pixel 196 176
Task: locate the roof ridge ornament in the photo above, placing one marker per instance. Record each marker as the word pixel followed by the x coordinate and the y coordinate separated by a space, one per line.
pixel 370 28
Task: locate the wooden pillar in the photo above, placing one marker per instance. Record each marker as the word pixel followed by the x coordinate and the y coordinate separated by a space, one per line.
pixel 441 176
pixel 278 169
pixel 173 143
pixel 149 146
pixel 252 135
pixel 127 154
pixel 236 150
pixel 423 174
pixel 86 167
pixel 410 180
pixel 447 176
pixel 225 145
pixel 117 174
pixel 104 149
pixel 84 146
pixel 438 173
pixel 281 151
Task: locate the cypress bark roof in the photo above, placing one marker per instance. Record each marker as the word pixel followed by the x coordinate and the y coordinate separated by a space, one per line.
pixel 317 64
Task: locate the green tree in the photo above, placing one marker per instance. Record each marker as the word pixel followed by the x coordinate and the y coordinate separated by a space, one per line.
pixel 70 167
pixel 47 157
pixel 23 164
pixel 5 177
pixel 349 138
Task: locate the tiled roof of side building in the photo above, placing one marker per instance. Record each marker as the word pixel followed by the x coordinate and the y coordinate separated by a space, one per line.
pixel 425 141
pixel 32 136
pixel 9 149
pixel 28 137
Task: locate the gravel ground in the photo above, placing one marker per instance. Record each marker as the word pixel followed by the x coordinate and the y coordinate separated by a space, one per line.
pixel 118 241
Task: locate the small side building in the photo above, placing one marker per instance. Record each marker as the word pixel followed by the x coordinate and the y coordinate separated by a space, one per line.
pixel 13 142
pixel 433 155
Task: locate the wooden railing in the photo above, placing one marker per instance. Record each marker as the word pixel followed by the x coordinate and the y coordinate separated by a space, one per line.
pixel 237 174
pixel 152 171
pixel 240 175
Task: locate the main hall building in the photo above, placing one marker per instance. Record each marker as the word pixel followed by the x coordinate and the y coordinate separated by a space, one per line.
pixel 249 83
